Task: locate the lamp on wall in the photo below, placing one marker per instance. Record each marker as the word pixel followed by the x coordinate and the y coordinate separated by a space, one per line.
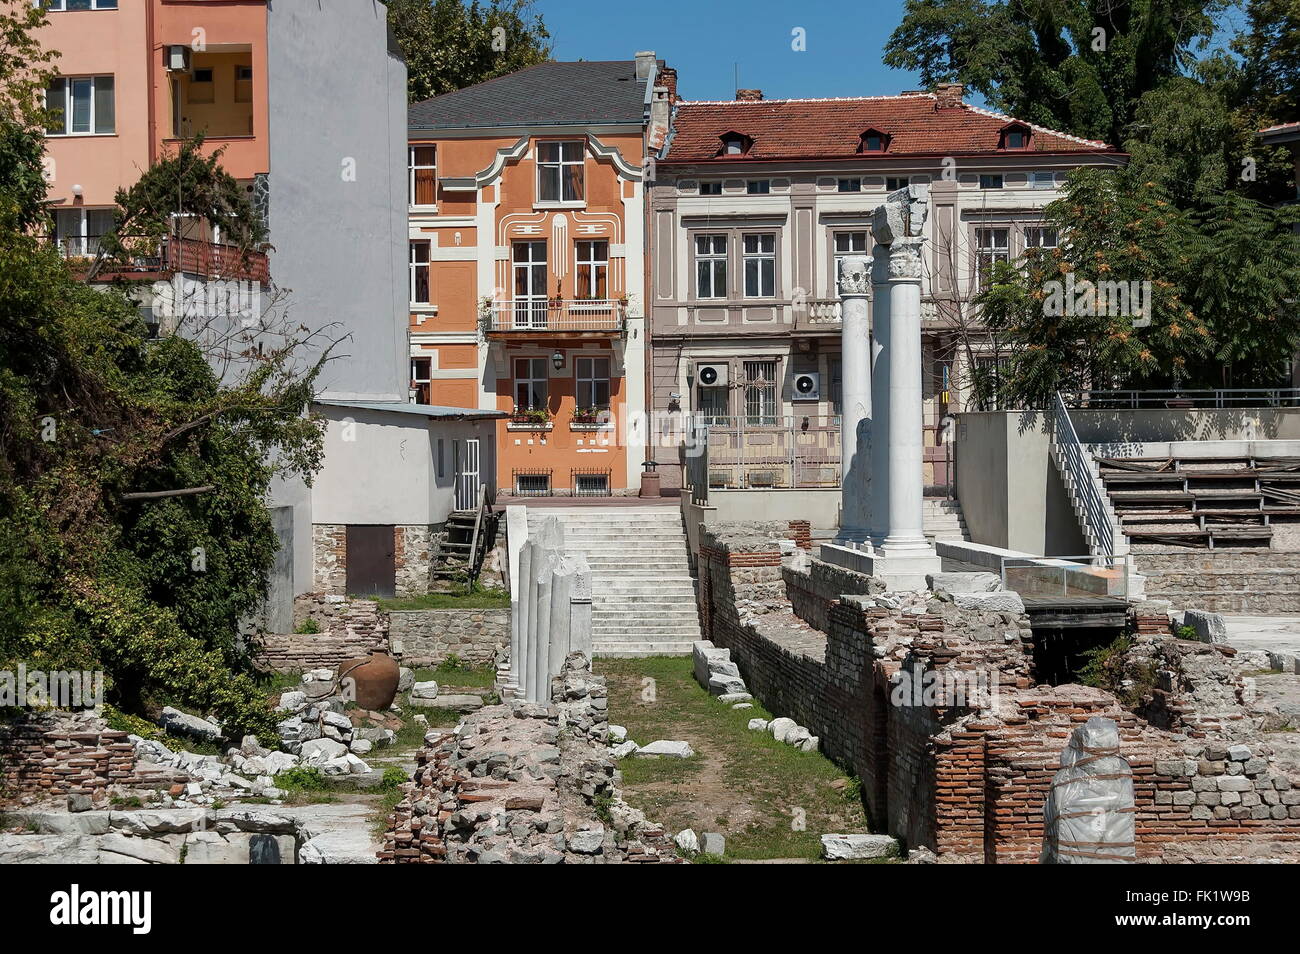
pixel 557 360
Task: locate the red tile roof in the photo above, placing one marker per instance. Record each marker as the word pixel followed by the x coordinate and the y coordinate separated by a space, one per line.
pixel 831 129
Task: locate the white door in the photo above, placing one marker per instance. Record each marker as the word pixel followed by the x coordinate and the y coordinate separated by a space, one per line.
pixel 464 457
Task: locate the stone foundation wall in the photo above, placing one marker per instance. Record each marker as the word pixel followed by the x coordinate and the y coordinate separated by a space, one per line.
pixel 56 756
pixel 414 549
pixel 1224 581
pixel 429 637
pixel 329 544
pixel 968 778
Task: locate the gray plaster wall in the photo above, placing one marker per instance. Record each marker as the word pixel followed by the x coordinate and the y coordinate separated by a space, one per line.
pixel 338 187
pixel 337 211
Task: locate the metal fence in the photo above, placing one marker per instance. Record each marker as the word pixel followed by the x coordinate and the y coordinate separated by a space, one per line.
pixel 1205 398
pixel 763 452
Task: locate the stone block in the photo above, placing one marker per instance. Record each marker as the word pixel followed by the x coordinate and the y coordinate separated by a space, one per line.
pixel 857 847
pixel 1004 601
pixel 664 748
pixel 1209 627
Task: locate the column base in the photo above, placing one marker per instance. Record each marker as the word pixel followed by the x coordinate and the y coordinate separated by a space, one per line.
pixel 904 570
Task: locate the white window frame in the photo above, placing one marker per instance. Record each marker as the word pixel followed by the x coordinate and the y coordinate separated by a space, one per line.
pixel 598 273
pixel 416 378
pixel 852 184
pixel 991 177
pixel 413 166
pixel 758 187
pixel 416 263
pixel 591 371
pixel 715 262
pixel 557 166
pixel 986 253
pixel 1036 235
pixel 79 244
pixel 66 118
pixel 537 380
pixel 1042 180
pixel 764 261
pixel 714 186
pixel 60 6
pixel 906 180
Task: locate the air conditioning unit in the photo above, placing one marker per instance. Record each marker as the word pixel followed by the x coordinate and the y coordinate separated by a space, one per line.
pixel 808 387
pixel 711 375
pixel 178 58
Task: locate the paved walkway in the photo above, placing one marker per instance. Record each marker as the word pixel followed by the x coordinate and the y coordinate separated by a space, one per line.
pixel 1275 634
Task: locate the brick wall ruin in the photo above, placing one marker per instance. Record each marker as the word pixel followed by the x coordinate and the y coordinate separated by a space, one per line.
pixel 59 755
pixel 968 779
pixel 348 628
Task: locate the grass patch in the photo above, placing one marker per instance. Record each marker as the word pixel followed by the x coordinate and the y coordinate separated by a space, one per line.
pixel 478 598
pixel 456 672
pixel 769 799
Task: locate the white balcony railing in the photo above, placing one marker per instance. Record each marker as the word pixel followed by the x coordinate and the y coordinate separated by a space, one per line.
pixel 541 315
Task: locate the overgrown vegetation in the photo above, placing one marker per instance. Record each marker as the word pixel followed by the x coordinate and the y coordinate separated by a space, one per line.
pixel 1110 668
pixel 94 413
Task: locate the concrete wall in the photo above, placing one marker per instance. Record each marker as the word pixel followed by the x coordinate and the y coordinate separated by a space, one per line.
pixel 819 506
pixel 1161 424
pixel 1010 493
pixel 387 472
pixel 338 187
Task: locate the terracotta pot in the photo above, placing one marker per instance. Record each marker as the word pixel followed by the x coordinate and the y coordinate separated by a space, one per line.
pixel 374 679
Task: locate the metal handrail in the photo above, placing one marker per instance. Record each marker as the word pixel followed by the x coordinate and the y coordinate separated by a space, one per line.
pixel 1204 397
pixel 1075 461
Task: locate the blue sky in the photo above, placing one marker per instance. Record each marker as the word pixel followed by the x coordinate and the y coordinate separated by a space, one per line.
pixel 707 39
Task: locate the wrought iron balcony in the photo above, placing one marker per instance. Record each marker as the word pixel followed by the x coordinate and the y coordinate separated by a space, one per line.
pixel 147 260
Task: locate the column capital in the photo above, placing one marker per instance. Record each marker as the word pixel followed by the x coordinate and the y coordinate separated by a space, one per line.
pixel 905 260
pixel 855 276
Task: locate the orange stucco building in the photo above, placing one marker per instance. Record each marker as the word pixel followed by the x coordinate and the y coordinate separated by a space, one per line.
pixel 526 270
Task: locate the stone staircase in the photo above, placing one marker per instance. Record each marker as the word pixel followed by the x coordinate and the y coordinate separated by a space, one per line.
pixel 643 597
pixel 943 520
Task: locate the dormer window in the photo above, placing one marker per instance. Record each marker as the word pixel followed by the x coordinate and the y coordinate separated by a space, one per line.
pixel 734 144
pixel 873 140
pixel 1015 136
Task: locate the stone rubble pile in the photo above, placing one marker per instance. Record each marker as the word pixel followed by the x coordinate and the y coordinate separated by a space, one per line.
pixel 524 783
pixel 322 734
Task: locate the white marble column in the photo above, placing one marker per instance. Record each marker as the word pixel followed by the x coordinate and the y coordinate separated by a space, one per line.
pixel 856 423
pixel 901 347
pixel 898 551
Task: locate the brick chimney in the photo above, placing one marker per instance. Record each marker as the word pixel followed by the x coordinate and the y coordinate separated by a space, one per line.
pixel 949 96
pixel 749 95
pixel 645 61
pixel 667 78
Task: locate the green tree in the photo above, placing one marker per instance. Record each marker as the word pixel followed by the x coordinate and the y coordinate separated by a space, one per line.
pixel 449 44
pixel 134 536
pixel 1220 285
pixel 1270 48
pixel 1080 66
